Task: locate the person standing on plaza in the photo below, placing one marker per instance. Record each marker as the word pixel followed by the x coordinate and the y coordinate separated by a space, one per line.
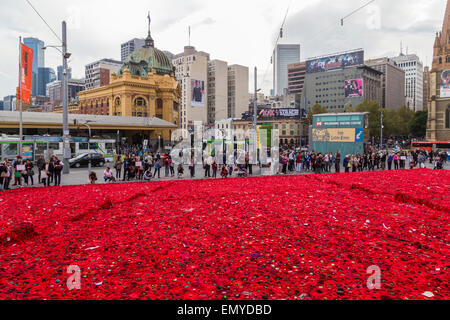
pixel 51 171
pixel 214 169
pixel 337 161
pixel 347 164
pixel 192 167
pixel 40 165
pixel 157 168
pixel 396 161
pixel 3 175
pixel 19 168
pixel 326 161
pixel 57 167
pixel 29 172
pixel 171 167
pixel 45 172
pixel 118 166
pixel 298 160
pixel 126 164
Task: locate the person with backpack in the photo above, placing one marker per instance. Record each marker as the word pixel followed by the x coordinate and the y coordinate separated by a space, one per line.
pixel 157 168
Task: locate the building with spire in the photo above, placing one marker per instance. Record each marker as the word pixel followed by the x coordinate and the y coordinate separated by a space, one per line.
pixel 144 87
pixel 438 127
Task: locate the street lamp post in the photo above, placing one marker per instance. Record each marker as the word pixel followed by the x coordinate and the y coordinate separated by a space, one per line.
pixel 66 134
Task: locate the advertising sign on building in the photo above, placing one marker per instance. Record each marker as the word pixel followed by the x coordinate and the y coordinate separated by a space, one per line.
pixel 197 93
pixel 445 84
pixel 338 135
pixel 335 62
pixel 354 88
pixel 287 113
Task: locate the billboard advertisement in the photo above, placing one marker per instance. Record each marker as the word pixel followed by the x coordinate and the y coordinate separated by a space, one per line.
pixel 354 88
pixel 338 135
pixel 197 93
pixel 335 62
pixel 26 74
pixel 445 84
pixel 286 113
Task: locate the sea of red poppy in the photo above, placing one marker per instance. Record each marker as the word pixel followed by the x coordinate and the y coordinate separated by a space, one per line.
pixel 293 237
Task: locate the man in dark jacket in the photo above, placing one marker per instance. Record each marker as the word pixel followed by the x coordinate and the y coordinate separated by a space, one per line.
pixel 40 163
pixel 337 161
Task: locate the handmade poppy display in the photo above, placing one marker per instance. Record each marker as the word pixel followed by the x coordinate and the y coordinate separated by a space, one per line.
pixel 276 238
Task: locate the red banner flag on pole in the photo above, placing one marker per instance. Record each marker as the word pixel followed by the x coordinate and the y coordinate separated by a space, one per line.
pixel 26 74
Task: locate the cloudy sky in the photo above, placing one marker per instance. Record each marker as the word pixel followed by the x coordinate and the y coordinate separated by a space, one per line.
pixel 238 31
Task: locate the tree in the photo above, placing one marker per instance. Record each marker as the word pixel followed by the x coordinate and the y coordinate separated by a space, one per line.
pixel 373 108
pixel 348 109
pixel 317 109
pixel 418 124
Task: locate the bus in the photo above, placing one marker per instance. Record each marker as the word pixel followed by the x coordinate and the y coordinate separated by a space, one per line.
pixel 431 146
pixel 34 146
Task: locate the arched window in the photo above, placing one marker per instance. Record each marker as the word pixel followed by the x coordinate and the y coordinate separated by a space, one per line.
pixel 117 102
pixel 140 102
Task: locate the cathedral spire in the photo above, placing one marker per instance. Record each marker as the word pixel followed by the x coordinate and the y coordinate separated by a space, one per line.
pixel 445 34
pixel 149 41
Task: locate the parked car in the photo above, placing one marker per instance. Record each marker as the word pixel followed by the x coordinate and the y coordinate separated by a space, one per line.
pixel 97 160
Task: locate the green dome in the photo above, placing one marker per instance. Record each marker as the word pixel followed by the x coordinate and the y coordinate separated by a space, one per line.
pixel 144 60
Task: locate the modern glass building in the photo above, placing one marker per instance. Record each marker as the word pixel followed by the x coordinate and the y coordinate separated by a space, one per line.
pixel 345 132
pixel 283 55
pixel 38 61
pixel 45 76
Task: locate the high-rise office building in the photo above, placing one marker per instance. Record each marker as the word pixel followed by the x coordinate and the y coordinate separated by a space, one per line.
pixel 340 80
pixel 98 73
pixel 129 47
pixel 8 103
pixel 296 77
pixel 60 73
pixel 283 55
pixel 45 76
pixel 237 91
pixel 191 72
pixel 38 61
pixel 55 91
pixel 392 83
pixel 1 105
pixel 217 90
pixel 413 68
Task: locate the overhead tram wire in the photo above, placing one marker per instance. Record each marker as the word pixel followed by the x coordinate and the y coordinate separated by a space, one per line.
pixel 355 11
pixel 37 12
pixel 280 35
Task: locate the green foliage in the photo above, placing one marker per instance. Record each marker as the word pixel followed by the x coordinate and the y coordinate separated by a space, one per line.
pixel 373 108
pixel 401 122
pixel 317 109
pixel 418 124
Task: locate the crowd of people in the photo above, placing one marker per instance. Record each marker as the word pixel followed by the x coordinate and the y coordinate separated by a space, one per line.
pixel 292 161
pixel 21 172
pixel 144 166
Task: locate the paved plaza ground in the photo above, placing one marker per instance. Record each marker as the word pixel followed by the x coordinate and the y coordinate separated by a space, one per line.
pixel 80 176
